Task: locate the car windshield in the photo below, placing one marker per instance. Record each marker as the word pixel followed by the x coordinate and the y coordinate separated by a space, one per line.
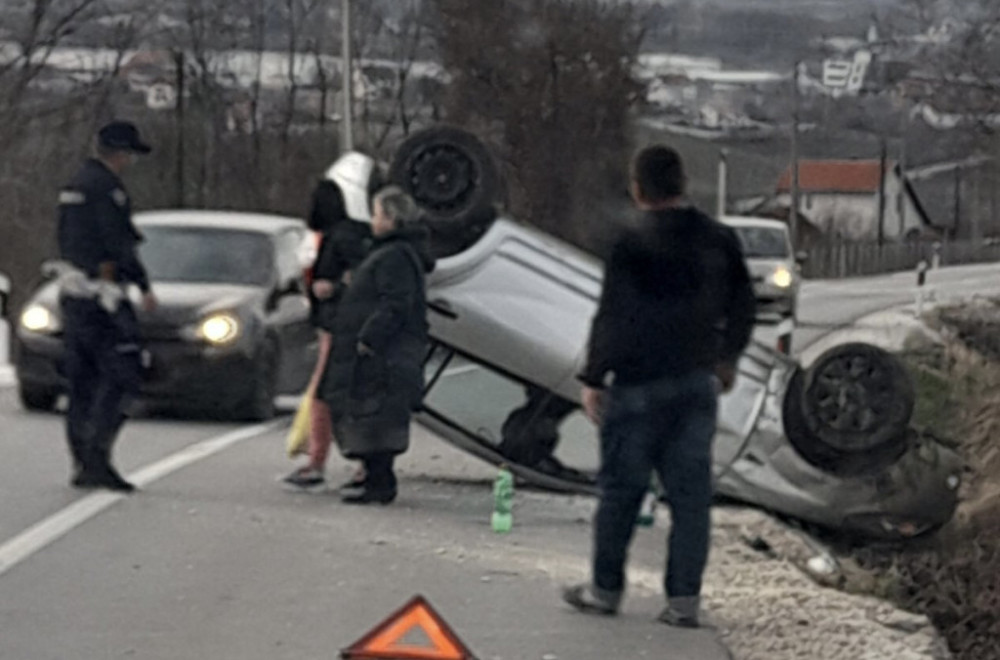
pixel 763 242
pixel 214 256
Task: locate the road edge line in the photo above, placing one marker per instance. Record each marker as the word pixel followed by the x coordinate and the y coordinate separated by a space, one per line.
pixel 59 524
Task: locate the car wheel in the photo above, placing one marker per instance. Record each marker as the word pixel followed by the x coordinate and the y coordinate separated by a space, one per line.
pixel 258 405
pixel 857 398
pixel 38 399
pixel 822 456
pixel 455 181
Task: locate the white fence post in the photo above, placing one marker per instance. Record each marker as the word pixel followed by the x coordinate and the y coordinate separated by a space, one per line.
pixel 921 282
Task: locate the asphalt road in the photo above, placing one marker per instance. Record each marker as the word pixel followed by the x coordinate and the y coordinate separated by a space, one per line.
pixel 827 305
pixel 213 559
pixel 216 561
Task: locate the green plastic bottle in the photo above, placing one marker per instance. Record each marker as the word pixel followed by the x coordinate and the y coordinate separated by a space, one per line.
pixel 503 501
pixel 647 514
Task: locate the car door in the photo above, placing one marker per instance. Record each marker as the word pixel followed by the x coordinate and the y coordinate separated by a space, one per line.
pixel 289 316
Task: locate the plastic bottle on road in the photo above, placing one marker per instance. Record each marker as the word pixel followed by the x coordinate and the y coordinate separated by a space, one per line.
pixel 647 514
pixel 503 501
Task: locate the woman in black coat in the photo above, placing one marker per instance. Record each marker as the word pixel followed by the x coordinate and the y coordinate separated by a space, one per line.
pixel 344 245
pixel 375 374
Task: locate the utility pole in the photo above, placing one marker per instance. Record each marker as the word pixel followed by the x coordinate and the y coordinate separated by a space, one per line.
pixel 904 181
pixel 347 69
pixel 882 164
pixel 793 210
pixel 723 182
pixel 958 202
pixel 180 65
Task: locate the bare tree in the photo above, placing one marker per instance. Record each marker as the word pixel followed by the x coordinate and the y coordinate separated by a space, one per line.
pixel 389 38
pixel 298 14
pixel 960 62
pixel 409 36
pixel 549 82
pixel 43 28
pixel 47 117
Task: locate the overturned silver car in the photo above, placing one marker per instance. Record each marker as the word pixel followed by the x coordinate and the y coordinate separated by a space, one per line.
pixel 510 312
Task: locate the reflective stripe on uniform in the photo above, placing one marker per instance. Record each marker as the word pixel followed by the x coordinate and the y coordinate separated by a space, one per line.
pixel 72 198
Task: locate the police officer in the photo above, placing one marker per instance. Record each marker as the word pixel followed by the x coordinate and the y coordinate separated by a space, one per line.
pixel 97 242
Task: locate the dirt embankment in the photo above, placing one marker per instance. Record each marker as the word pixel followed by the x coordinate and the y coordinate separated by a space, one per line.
pixel 954 576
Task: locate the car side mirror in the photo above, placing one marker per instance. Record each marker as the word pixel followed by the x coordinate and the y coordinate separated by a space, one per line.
pixel 801 257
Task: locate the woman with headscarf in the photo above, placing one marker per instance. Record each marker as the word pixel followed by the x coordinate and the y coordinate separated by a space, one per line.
pixel 343 246
pixel 375 374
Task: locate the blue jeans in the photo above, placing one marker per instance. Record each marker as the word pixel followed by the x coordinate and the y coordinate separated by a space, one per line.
pixel 665 427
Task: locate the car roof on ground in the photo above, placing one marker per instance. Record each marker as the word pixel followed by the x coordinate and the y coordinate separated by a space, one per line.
pixel 234 220
pixel 749 221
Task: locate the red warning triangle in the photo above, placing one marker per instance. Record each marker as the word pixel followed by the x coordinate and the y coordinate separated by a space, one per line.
pixel 414 632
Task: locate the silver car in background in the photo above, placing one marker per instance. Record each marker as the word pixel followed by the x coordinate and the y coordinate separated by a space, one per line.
pixel 774 268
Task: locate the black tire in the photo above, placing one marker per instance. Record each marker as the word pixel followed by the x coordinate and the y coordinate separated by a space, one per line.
pixel 858 398
pixel 824 457
pixel 38 399
pixel 455 181
pixel 258 403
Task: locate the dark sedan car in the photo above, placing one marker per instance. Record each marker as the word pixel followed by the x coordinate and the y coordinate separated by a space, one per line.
pixel 232 329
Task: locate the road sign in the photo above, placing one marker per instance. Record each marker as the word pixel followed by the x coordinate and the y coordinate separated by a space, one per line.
pixel 414 632
pixel 161 96
pixel 836 73
pixel 859 69
pixel 847 76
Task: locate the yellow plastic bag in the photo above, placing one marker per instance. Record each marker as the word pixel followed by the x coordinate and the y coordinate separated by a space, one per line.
pixel 297 441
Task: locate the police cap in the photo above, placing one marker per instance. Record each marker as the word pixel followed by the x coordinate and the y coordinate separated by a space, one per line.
pixel 123 136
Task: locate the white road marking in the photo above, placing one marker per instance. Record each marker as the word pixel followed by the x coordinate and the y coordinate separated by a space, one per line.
pixel 59 524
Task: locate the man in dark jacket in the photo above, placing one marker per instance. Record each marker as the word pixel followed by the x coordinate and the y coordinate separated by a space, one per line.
pixel 675 315
pixel 374 378
pixel 98 242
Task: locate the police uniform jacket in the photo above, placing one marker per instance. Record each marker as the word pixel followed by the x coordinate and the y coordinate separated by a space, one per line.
pixel 95 225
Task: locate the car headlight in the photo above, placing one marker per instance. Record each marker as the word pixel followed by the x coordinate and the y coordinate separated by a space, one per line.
pixel 37 318
pixel 219 329
pixel 782 277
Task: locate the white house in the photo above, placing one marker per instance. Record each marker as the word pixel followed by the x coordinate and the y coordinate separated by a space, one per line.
pixel 841 198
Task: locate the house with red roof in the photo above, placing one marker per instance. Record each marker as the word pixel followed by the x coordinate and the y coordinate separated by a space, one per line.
pixel 848 199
